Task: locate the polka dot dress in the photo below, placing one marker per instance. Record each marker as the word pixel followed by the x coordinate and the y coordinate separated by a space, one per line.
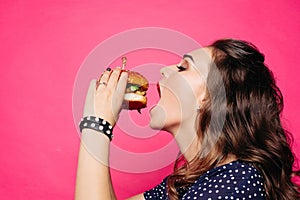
pixel 236 180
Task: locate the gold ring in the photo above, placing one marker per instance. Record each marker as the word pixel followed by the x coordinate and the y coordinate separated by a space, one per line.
pixel 100 83
pixel 103 83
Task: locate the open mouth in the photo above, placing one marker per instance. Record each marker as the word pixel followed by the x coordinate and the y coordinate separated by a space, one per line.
pixel 158 89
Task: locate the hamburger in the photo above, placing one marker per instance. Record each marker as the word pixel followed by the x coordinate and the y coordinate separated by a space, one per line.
pixel 135 93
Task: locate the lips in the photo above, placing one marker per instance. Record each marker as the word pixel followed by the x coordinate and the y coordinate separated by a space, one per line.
pixel 158 89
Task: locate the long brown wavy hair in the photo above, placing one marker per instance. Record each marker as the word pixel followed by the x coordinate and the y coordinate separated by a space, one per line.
pixel 251 130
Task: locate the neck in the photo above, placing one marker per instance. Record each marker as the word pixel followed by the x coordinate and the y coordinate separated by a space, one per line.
pixel 189 144
pixel 229 158
pixel 187 139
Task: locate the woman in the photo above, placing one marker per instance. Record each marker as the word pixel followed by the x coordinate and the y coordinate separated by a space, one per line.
pixel 223 107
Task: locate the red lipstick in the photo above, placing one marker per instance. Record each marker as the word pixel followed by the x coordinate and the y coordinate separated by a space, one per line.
pixel 158 89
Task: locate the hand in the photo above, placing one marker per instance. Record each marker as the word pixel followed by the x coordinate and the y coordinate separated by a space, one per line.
pixel 104 98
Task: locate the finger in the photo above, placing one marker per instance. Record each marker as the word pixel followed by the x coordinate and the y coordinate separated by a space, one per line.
pixel 89 100
pixel 114 77
pixel 104 77
pixel 121 86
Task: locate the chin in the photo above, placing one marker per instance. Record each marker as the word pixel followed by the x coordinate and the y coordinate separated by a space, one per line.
pixel 157 118
pixel 155 126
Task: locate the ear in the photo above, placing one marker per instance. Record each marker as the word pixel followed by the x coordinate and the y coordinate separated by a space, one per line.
pixel 202 97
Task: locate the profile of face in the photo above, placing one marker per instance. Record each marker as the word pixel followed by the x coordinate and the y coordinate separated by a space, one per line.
pixel 182 89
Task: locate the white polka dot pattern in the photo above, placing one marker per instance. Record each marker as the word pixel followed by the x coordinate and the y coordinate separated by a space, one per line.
pixel 97 124
pixel 236 180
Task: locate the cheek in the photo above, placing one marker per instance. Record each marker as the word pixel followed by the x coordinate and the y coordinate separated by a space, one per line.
pixel 179 100
pixel 186 92
pixel 198 87
pixel 171 102
pixel 168 112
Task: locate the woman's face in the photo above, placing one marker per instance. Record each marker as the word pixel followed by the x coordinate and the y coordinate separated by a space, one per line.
pixel 182 89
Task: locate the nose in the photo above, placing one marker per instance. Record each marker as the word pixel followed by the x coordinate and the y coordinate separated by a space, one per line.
pixel 166 71
pixel 162 72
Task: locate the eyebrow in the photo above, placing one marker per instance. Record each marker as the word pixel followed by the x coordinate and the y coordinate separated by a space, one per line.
pixel 188 56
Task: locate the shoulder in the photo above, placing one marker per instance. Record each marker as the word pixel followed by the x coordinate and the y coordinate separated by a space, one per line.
pixel 236 180
pixel 231 181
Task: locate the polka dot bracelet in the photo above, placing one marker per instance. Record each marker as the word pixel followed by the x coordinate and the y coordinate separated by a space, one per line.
pixel 97 124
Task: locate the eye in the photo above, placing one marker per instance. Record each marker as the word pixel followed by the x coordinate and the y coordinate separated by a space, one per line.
pixel 180 68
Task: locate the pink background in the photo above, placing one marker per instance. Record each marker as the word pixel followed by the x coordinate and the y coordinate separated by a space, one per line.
pixel 43 44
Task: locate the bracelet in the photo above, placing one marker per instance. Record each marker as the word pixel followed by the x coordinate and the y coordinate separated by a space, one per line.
pixel 97 124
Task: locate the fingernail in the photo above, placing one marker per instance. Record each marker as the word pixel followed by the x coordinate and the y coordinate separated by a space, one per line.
pixel 118 67
pixel 108 69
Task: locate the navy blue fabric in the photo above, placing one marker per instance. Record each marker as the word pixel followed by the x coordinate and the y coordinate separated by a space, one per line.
pixel 236 180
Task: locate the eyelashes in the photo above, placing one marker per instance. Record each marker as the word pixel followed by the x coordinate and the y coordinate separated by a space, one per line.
pixel 180 68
